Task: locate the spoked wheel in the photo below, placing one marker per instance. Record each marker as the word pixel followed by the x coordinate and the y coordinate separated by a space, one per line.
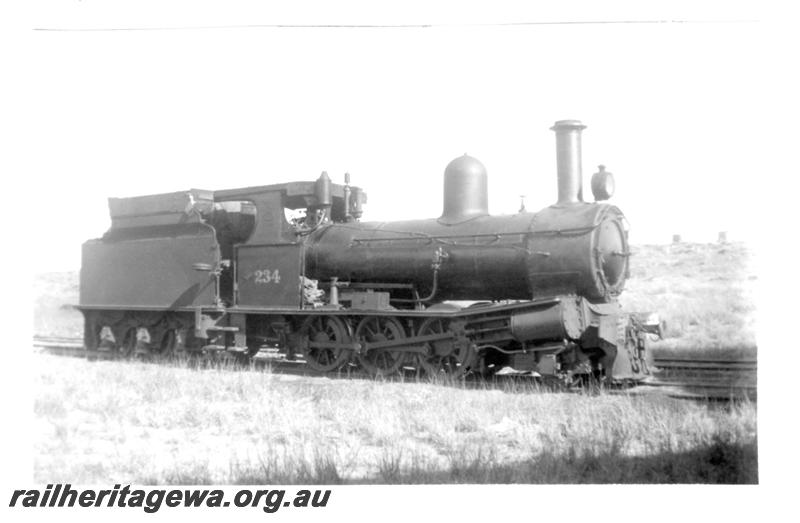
pixel 376 329
pixel 446 357
pixel 321 332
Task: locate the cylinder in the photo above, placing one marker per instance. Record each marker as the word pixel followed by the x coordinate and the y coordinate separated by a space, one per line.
pixel 465 191
pixel 568 160
pixel 560 320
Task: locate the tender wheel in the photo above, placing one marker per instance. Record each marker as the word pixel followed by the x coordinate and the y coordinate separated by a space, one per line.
pixel 100 334
pixel 167 344
pixel 325 330
pixel 444 357
pixel 127 346
pixel 92 335
pixel 380 362
pixel 92 338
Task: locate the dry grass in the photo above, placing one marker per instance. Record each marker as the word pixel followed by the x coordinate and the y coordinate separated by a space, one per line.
pixel 54 295
pixel 109 422
pixel 704 292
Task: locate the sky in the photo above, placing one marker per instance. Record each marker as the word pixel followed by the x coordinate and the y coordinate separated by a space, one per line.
pixel 206 96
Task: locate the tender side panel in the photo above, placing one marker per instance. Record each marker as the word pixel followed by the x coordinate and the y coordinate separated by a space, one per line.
pixel 154 272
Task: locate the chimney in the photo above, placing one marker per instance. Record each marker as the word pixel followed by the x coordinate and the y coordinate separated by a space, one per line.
pixel 568 160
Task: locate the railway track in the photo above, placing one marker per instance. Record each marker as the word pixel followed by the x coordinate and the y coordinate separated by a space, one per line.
pixel 704 379
pixel 267 358
pixel 706 365
pixel 73 347
pixel 708 378
pixel 60 346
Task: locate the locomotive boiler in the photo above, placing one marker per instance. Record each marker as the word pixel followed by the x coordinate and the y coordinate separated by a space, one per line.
pixel 292 267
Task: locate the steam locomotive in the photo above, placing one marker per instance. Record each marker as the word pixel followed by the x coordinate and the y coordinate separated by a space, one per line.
pixel 291 267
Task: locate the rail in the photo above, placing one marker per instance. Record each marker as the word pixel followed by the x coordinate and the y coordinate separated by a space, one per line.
pixel 706 378
pixel 707 364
